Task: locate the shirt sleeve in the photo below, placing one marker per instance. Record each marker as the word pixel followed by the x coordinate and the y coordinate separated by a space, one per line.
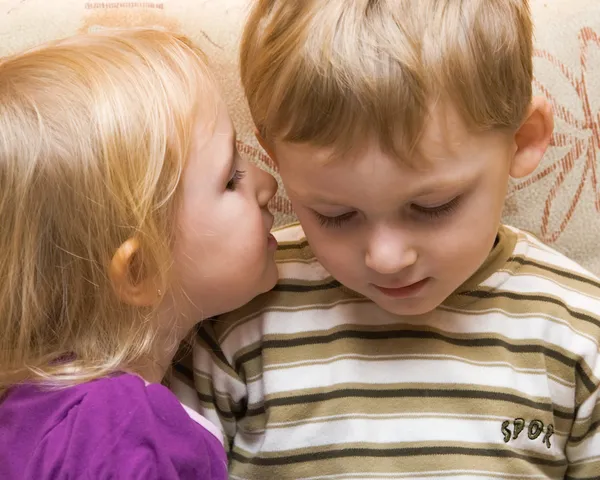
pixel 583 446
pixel 126 430
pixel 219 393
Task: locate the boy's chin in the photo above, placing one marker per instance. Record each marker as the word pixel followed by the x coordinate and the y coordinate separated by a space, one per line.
pixel 409 311
pixel 405 307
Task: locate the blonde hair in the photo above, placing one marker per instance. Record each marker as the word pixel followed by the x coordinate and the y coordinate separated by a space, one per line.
pixel 94 134
pixel 329 72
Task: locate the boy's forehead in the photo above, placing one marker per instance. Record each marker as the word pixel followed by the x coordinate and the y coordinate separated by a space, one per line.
pixel 442 136
pixel 448 156
pixel 443 133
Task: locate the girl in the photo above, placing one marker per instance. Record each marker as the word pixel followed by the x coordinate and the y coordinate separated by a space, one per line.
pixel 127 216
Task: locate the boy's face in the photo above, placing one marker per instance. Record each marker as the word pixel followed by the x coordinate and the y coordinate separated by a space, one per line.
pixel 405 237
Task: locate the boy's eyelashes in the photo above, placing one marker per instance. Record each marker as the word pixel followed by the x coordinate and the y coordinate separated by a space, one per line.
pixel 439 210
pixel 334 222
pixel 235 179
pixel 429 213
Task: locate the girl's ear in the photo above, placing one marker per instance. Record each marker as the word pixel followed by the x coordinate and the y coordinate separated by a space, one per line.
pixel 130 280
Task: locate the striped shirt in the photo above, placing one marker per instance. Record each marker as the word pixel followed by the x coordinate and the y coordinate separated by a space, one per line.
pixel 313 381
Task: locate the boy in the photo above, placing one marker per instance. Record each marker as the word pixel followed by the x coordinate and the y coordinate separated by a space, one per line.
pixel 410 335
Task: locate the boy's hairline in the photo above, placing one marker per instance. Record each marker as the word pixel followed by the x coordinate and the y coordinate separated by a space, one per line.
pixel 404 154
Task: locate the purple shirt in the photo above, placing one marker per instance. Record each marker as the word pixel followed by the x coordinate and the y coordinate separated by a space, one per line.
pixel 112 428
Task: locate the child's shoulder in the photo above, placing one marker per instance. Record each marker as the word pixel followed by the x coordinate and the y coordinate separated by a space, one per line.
pixel 528 245
pixel 531 256
pixel 551 282
pixel 92 429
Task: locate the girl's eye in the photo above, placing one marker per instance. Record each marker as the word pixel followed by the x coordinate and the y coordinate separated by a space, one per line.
pixel 439 211
pixel 335 222
pixel 235 179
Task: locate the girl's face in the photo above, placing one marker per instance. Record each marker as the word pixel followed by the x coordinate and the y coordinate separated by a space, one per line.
pixel 223 252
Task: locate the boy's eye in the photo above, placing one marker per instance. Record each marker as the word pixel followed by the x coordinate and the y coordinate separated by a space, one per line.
pixel 334 222
pixel 438 211
pixel 235 179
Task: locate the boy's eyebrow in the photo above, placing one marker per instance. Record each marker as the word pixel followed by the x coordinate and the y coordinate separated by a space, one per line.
pixel 435 188
pixel 324 201
pixel 317 198
pixel 449 185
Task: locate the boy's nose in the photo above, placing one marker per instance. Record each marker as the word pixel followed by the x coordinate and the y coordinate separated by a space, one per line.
pixel 389 251
pixel 266 185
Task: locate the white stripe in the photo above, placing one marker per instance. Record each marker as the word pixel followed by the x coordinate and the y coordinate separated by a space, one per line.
pixel 251 329
pixel 384 416
pixel 184 393
pixel 585 450
pixel 331 359
pixel 538 326
pixel 534 284
pixel 418 356
pixel 394 431
pixel 553 330
pixel 311 271
pixel 586 409
pixel 189 398
pixel 292 233
pixel 448 372
pixel 455 474
pixel 595 458
pixel 542 253
pixel 221 381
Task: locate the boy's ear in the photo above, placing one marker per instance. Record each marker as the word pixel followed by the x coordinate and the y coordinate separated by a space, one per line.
pixel 532 138
pixel 266 147
pixel 129 279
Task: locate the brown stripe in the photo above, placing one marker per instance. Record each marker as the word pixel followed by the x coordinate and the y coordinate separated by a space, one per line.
pixel 431 467
pixel 294 245
pixel 400 391
pixel 589 471
pixel 296 287
pixel 583 429
pixel 378 353
pixel 592 430
pixel 585 375
pixel 564 274
pixel 183 374
pixel 347 451
pixel 413 406
pixel 470 342
pixel 317 299
pixel 483 294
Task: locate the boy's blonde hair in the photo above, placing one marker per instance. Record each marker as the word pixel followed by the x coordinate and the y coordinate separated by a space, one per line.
pixel 329 72
pixel 94 134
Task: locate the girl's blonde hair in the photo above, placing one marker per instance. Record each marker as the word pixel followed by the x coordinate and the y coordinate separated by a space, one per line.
pixel 329 72
pixel 94 134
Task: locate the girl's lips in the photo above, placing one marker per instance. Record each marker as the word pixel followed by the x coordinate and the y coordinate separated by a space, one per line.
pixel 271 242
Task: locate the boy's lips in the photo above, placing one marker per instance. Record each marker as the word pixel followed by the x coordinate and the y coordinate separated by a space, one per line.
pixel 403 291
